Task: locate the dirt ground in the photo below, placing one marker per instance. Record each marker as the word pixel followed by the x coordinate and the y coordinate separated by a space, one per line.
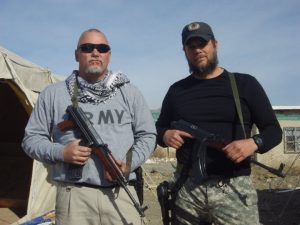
pixel 279 198
pixel 7 216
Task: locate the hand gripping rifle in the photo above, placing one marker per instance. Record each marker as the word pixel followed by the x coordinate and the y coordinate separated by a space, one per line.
pixel 217 142
pixel 100 149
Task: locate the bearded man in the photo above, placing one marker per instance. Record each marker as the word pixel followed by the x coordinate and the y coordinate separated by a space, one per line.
pixel 223 194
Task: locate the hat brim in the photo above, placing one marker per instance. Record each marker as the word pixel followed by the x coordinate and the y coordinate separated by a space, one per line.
pixel 204 37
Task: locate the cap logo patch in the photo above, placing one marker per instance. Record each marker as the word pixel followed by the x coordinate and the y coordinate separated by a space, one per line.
pixel 193 26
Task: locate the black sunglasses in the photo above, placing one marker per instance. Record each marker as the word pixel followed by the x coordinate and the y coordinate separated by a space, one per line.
pixel 88 48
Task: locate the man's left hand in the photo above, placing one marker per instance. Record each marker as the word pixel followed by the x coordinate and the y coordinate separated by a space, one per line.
pixel 121 165
pixel 239 150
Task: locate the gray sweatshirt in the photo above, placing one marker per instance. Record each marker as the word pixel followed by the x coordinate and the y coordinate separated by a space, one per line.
pixel 123 122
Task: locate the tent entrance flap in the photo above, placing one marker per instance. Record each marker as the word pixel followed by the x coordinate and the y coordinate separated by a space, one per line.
pixel 15 165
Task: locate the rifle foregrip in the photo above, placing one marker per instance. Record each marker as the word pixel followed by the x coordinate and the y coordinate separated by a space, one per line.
pixel 66 125
pixel 110 165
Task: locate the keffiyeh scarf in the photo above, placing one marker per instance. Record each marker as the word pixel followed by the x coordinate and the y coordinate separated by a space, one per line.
pixel 98 92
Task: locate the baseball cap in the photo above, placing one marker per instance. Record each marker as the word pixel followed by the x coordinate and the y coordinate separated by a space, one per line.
pixel 197 29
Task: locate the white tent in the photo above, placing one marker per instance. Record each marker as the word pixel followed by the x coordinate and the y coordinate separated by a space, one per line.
pixel 24 182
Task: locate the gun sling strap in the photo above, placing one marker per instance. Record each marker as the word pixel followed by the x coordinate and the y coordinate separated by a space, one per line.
pixel 277 172
pixel 237 101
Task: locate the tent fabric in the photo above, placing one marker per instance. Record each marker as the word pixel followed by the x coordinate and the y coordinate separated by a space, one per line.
pixel 27 80
pixel 24 72
pixel 31 78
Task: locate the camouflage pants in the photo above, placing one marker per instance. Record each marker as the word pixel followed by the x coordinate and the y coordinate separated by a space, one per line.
pixel 230 202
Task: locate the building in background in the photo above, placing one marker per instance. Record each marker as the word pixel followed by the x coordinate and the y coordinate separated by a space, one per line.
pixel 288 151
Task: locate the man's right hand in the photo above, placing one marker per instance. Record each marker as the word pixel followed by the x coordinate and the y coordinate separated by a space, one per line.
pixel 175 138
pixel 75 153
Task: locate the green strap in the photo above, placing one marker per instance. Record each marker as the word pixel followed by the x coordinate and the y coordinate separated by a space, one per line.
pixel 237 100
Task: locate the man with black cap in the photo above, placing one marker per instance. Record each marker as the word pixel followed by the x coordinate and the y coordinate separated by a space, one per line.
pixel 223 194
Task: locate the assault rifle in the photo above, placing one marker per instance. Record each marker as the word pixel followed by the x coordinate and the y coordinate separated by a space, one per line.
pixel 217 142
pixel 100 149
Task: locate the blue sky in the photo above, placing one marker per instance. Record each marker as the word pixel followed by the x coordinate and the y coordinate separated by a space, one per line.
pixel 259 37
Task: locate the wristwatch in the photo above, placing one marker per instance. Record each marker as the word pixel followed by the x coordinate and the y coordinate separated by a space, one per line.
pixel 258 141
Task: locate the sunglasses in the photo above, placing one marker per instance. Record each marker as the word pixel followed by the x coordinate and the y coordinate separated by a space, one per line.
pixel 88 48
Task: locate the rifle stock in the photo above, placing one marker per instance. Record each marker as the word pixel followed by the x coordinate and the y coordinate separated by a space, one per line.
pixel 218 142
pixel 100 149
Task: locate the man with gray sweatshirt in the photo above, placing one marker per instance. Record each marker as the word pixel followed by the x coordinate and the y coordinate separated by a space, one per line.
pixel 119 114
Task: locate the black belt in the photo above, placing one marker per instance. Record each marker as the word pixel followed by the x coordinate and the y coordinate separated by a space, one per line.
pixel 95 186
pixel 83 184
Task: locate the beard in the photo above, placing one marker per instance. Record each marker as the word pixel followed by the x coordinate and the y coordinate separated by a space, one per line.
pixel 95 70
pixel 203 70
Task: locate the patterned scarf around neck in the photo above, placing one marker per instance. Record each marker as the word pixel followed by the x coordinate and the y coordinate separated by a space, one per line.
pixel 98 92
